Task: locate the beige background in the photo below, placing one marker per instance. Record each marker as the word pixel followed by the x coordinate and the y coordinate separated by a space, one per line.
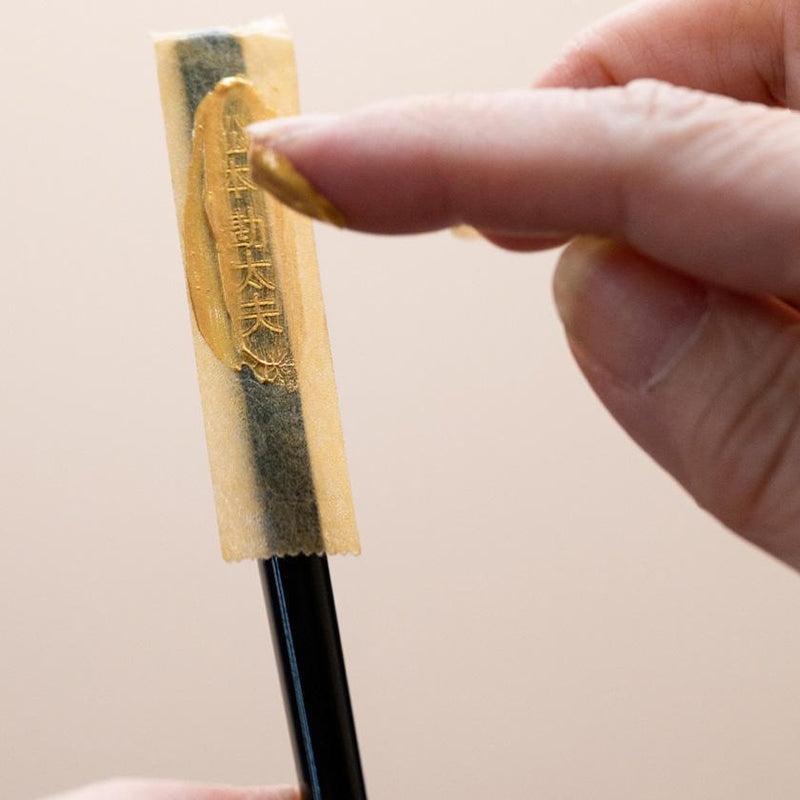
pixel 539 611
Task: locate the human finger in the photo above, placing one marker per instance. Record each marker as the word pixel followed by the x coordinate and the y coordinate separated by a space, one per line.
pixel 526 244
pixel 721 46
pixel 143 789
pixel 705 380
pixel 700 182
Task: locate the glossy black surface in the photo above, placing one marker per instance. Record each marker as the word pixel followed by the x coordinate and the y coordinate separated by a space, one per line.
pixel 305 634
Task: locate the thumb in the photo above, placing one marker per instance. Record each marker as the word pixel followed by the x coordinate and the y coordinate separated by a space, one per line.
pixel 705 380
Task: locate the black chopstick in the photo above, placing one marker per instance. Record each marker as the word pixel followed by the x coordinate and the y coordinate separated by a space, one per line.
pixel 308 650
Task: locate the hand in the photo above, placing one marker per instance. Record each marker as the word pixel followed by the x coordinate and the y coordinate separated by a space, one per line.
pixel 138 789
pixel 679 295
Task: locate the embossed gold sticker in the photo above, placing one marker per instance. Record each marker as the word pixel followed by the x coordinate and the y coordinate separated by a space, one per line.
pixel 230 263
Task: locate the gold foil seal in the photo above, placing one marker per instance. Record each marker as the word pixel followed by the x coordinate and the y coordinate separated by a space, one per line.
pixel 230 266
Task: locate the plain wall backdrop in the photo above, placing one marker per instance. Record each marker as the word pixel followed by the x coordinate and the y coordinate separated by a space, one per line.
pixel 539 612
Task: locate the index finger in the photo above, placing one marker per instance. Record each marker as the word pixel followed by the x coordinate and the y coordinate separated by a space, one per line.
pixel 698 182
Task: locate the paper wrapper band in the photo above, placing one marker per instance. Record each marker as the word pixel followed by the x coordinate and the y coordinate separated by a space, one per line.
pixel 263 357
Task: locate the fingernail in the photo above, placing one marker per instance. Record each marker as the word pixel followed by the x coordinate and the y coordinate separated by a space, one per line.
pixel 631 318
pixel 466 232
pixel 267 132
pixel 272 168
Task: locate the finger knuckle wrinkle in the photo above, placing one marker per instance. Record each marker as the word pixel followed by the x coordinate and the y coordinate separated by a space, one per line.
pixel 586 59
pixel 650 102
pixel 746 473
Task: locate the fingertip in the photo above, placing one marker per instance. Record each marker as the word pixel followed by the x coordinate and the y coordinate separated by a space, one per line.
pixel 273 793
pixel 277 174
pixel 630 316
pixel 368 170
pixel 527 244
pixel 583 256
pixel 579 66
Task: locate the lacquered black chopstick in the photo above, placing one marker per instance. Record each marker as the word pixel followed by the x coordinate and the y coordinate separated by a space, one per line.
pixel 308 649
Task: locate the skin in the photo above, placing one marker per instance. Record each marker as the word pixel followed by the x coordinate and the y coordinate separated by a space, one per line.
pixel 139 789
pixel 663 144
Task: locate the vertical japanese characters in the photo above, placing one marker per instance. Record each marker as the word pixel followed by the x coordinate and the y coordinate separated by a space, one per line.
pixel 233 280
